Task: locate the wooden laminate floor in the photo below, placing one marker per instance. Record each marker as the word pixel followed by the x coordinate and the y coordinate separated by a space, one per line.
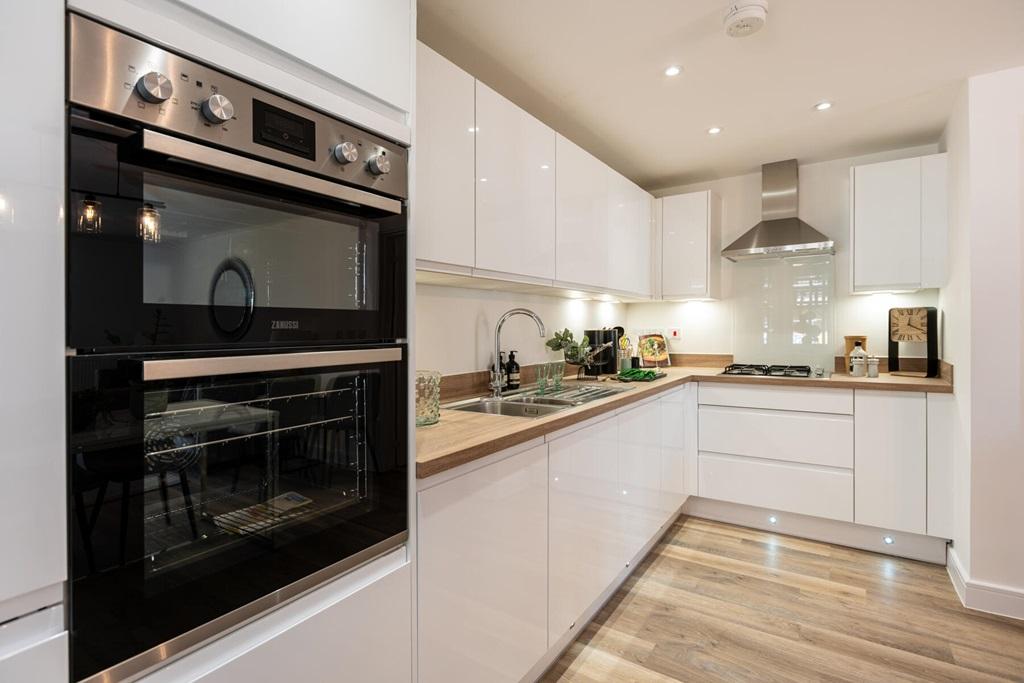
pixel 715 602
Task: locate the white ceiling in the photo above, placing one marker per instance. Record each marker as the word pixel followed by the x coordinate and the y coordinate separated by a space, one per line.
pixel 593 70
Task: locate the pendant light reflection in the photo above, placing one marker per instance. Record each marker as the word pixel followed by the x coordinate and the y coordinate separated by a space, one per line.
pixel 149 223
pixel 90 216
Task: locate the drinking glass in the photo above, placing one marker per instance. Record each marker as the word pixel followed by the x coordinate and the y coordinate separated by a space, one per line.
pixel 543 373
pixel 428 397
pixel 557 374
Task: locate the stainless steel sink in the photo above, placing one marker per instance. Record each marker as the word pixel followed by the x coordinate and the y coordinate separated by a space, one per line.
pixel 539 400
pixel 577 394
pixel 492 406
pixel 532 403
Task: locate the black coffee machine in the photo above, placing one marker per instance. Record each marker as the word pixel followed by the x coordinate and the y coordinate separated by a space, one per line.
pixel 607 361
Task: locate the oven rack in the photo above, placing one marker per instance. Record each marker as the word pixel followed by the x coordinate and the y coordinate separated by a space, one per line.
pixel 241 437
pixel 255 490
pixel 251 402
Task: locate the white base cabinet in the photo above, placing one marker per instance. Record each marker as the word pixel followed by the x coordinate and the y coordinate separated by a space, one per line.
pixel 640 473
pixel 873 457
pixel 783 486
pixel 892 462
pixel 614 485
pixel 588 542
pixel 356 628
pixel 483 571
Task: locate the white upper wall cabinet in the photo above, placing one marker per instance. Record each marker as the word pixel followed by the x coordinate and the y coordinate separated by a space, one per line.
pixel 309 31
pixel 629 237
pixel 582 223
pixel 691 244
pixel 899 224
pixel 515 189
pixel 444 149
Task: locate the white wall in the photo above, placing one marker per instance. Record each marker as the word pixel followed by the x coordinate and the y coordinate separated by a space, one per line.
pixel 707 327
pixel 955 304
pixel 996 220
pixel 455 326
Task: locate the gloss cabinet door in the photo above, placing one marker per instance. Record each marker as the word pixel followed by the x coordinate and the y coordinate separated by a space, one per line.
pixel 891 471
pixel 483 543
pixel 444 158
pixel 587 544
pixel 515 190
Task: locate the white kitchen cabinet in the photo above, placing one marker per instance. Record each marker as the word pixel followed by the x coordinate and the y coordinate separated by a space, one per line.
pixel 640 472
pixel 675 428
pixel 691 245
pixel 359 626
pixel 775 397
pixel 34 647
pixel 515 190
pixel 899 224
pixel 944 435
pixel 583 223
pixel 780 486
pixel 33 458
pixel 445 151
pixel 483 571
pixel 891 460
pixel 309 32
pixel 629 236
pixel 809 438
pixel 42 662
pixel 587 546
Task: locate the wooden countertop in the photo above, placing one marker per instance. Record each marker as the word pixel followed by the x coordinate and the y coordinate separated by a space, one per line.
pixel 462 437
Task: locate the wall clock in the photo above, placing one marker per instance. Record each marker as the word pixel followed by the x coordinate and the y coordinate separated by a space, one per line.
pixel 919 324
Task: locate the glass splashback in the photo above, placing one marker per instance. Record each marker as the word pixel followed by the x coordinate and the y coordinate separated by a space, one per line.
pixel 784 311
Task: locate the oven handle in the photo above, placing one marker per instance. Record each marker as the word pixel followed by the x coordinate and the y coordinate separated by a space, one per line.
pixel 210 157
pixel 184 368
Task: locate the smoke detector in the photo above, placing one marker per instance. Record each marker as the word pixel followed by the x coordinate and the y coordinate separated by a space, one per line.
pixel 745 17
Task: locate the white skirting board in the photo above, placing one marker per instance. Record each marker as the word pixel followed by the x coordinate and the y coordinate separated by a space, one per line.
pixel 984 596
pixel 913 546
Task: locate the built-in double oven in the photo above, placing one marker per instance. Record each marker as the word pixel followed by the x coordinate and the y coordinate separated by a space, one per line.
pixel 237 370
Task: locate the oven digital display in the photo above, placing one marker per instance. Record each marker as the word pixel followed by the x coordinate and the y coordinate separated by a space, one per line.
pixel 283 130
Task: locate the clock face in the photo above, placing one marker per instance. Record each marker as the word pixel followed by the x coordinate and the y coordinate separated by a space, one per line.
pixel 908 324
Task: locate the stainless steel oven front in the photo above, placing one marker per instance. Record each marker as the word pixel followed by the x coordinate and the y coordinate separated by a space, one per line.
pixel 237 372
pixel 207 212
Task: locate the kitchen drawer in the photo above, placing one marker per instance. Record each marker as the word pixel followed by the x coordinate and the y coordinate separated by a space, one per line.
pixel 785 487
pixel 773 397
pixel 809 438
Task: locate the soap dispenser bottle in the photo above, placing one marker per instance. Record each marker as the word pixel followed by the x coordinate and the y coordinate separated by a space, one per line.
pixel 512 368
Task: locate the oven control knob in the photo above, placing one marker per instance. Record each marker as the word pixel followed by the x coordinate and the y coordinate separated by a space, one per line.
pixel 218 109
pixel 154 87
pixel 346 152
pixel 379 165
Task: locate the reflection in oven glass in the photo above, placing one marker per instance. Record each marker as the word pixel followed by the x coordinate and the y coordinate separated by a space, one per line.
pixel 248 461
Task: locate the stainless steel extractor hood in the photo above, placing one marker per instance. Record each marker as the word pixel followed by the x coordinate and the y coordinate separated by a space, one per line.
pixel 780 232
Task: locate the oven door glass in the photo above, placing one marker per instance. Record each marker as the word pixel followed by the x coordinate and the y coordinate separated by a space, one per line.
pixel 200 501
pixel 166 255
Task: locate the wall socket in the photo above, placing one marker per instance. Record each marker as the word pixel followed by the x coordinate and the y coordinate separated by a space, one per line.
pixel 674 334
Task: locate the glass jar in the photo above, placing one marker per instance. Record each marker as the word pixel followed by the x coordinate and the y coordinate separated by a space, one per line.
pixel 873 366
pixel 428 397
pixel 858 366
